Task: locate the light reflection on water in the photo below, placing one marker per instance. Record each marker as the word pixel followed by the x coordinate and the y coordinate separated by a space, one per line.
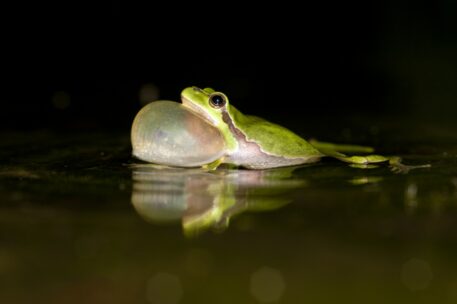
pixel 203 200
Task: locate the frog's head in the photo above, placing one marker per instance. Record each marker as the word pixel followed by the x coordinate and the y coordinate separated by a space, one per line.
pixel 206 103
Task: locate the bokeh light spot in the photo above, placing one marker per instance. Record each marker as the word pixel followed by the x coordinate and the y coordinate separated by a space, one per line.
pixel 267 285
pixel 452 292
pixel 416 274
pixel 61 100
pixel 148 92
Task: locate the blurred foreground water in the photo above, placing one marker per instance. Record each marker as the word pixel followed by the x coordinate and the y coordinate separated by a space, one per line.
pixel 83 222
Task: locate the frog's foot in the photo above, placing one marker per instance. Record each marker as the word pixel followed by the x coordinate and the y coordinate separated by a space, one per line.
pixel 213 166
pixel 396 166
pixel 361 160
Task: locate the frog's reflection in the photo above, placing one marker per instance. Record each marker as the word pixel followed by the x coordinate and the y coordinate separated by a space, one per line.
pixel 204 200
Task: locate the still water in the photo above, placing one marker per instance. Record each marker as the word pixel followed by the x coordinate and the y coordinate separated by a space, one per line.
pixel 83 222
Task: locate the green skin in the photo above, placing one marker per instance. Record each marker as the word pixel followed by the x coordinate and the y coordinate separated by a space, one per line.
pixel 208 200
pixel 255 143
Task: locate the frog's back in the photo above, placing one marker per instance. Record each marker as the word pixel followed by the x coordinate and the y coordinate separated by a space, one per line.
pixel 276 140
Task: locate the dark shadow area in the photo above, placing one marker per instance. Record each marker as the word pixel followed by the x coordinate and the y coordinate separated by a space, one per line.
pixel 82 221
pixel 82 66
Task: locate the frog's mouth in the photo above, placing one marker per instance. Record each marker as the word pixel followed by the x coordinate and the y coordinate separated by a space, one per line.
pixel 197 110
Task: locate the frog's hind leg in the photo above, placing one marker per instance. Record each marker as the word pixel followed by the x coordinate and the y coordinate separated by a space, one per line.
pixel 362 161
pixel 367 161
pixel 326 146
pixel 357 159
pixel 335 151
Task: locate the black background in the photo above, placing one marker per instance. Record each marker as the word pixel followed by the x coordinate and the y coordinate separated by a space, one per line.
pixel 280 60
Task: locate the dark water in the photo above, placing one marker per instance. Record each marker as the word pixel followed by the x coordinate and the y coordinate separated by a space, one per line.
pixel 82 222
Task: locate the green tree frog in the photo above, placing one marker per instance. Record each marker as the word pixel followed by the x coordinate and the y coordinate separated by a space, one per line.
pixel 206 130
pixel 255 143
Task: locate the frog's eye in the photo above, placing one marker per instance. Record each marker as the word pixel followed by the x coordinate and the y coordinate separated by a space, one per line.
pixel 217 100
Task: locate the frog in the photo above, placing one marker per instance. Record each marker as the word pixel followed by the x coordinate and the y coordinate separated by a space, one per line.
pixel 255 143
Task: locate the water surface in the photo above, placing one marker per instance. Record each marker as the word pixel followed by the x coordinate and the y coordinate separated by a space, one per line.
pixel 83 222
